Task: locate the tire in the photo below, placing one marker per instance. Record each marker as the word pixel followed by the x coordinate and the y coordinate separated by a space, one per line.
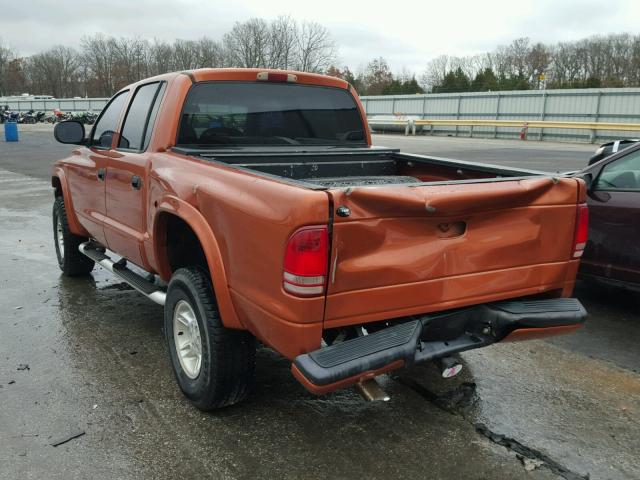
pixel 224 375
pixel 70 260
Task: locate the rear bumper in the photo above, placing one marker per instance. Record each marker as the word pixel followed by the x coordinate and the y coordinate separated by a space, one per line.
pixel 432 336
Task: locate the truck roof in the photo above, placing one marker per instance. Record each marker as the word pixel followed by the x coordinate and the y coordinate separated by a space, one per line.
pixel 247 75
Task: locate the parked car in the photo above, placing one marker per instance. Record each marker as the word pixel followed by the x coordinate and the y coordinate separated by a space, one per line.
pixel 260 209
pixel 609 148
pixel 612 254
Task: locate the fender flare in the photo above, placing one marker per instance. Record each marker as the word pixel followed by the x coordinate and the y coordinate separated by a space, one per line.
pixel 72 219
pixel 194 219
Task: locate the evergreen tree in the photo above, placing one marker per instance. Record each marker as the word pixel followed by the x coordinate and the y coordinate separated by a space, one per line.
pixel 485 81
pixel 454 81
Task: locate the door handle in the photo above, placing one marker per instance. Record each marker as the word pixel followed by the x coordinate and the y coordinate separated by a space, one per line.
pixel 136 182
pixel 100 174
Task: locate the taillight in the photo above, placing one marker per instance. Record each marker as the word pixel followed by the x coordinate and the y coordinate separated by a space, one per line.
pixel 277 77
pixel 305 261
pixel 582 231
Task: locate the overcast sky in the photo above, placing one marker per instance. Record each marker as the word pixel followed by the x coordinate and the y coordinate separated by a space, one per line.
pixel 407 33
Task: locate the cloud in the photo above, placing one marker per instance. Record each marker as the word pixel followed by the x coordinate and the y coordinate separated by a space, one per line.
pixel 407 34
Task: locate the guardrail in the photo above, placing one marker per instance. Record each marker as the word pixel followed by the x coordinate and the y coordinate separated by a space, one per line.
pixel 524 125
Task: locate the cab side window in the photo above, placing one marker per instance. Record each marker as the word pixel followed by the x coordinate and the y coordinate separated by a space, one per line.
pixel 108 122
pixel 137 121
pixel 622 174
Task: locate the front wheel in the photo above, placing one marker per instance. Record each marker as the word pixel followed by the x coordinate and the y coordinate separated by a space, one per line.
pixel 70 260
pixel 213 365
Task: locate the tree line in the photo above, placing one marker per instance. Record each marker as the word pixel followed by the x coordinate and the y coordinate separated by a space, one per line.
pixel 102 64
pixel 598 61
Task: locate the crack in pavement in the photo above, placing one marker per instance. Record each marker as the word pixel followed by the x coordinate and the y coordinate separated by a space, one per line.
pixel 464 397
pixel 528 452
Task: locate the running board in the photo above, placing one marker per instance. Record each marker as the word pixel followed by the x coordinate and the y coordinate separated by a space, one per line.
pixel 95 253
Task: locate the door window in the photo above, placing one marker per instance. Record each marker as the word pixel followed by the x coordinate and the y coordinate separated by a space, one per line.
pixel 108 122
pixel 135 123
pixel 621 174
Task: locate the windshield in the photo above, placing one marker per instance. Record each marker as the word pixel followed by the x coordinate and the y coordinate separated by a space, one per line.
pixel 257 114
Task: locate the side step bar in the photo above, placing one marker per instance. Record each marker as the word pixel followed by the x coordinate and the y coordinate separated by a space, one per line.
pixel 96 253
pixel 429 337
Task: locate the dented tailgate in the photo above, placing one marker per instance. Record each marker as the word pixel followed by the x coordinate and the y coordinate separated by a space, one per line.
pixel 403 250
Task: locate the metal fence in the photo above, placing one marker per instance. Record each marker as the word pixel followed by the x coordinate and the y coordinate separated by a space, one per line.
pixel 62 104
pixel 612 105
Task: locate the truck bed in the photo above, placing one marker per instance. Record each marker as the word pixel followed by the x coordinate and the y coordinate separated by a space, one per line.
pixel 413 234
pixel 343 168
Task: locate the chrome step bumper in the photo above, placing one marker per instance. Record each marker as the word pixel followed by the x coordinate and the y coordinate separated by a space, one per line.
pixel 430 337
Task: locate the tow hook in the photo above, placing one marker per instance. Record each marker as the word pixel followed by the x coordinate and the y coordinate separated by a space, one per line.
pixel 371 390
pixel 449 366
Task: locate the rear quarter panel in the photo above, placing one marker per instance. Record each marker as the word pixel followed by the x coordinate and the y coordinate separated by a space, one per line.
pixel 251 218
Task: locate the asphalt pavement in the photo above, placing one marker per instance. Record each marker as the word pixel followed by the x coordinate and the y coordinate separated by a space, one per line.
pixel 534 155
pixel 83 362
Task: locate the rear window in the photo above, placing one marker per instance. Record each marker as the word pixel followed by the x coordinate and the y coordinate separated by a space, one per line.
pixel 255 114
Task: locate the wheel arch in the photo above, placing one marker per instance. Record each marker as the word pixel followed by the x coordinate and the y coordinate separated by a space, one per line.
pixel 173 209
pixel 61 189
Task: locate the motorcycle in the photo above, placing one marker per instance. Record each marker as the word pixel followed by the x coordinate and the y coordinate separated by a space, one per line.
pixel 4 113
pixel 89 118
pixel 28 117
pixel 12 117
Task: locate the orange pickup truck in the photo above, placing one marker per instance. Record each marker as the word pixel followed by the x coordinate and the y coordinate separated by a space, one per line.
pixel 252 205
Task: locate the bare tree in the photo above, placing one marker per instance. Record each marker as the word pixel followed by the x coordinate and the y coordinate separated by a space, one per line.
pixel 99 56
pixel 567 64
pixel 247 44
pixel 435 72
pixel 634 61
pixel 130 57
pixel 210 53
pixel 468 65
pixel 537 62
pixel 186 55
pixel 376 76
pixel 7 56
pixel 282 42
pixel 55 72
pixel 518 51
pixel 160 58
pixel 315 48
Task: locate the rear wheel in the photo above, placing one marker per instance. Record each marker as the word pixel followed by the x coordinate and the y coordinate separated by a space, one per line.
pixel 70 260
pixel 214 365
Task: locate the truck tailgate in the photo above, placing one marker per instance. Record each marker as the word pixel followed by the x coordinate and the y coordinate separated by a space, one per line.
pixel 405 250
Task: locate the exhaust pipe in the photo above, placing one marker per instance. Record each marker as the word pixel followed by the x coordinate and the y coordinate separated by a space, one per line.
pixel 449 366
pixel 371 391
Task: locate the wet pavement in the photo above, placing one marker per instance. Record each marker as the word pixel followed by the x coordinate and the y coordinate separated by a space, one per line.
pixel 86 358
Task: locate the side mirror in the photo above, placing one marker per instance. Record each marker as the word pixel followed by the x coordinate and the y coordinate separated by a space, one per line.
pixel 69 131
